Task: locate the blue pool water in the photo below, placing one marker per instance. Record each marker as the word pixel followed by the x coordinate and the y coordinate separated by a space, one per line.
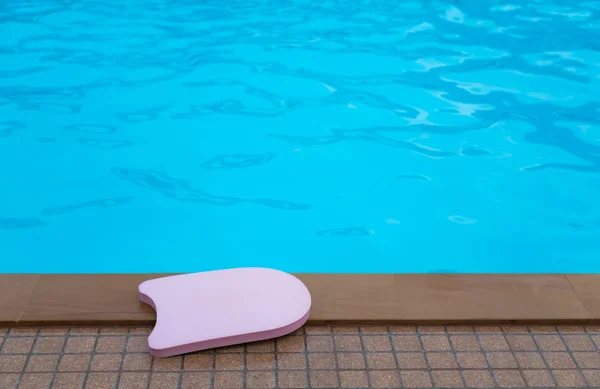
pixel 308 136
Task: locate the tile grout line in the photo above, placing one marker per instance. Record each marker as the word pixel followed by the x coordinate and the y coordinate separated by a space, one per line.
pixel 570 353
pixel 540 351
pixel 27 359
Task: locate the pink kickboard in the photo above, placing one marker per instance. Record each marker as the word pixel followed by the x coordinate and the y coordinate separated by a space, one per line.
pixel 220 308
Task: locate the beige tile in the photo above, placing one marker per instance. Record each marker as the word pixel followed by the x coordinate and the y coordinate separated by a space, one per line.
pixel 80 344
pixel 543 329
pixel 319 343
pixel 374 330
pixel 345 330
pixel 167 364
pixel 538 378
pixel 290 344
pixel 35 381
pixel 132 362
pixel 447 379
pixel 91 331
pixel 42 363
pixel 569 378
pixel 380 361
pixel 49 345
pixel 311 330
pixel 411 361
pixel 441 360
pixel 261 347
pixel 287 361
pixel 195 380
pixel 106 362
pixel 431 329
pixel 403 329
pixel 460 329
pixel 579 343
pixel 377 343
pixel 228 380
pixel 470 360
pixel 592 377
pixel 569 329
pixel 24 331
pixel 114 331
pixel 347 343
pixel 260 361
pixel 103 381
pixel 8 380
pixel 464 343
pixel 415 379
pixel 323 379
pixel 509 378
pixel 160 380
pixel 292 379
pixel 321 361
pixel 592 329
pixel 488 330
pixel 15 290
pixel 130 380
pixel 435 343
pixel 137 344
pixel 12 363
pixel 559 360
pixel 521 343
pixel 587 360
pixel 384 379
pixel 478 379
pixel 68 381
pixel 229 362
pixel 111 344
pixel 198 362
pixel 20 345
pixel 74 362
pixel 140 330
pixel 353 379
pixel 230 349
pixel 549 343
pixel 260 380
pixel 501 360
pixel 493 342
pixel 407 343
pixel 529 360
pixel 350 361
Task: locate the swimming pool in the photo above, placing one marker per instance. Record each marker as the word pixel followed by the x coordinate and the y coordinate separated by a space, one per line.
pixel 335 136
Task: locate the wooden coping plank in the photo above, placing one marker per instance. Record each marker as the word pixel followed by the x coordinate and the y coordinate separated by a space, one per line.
pixel 15 291
pixel 587 288
pixel 96 299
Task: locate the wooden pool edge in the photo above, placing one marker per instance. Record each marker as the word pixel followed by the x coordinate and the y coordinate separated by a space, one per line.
pixel 112 299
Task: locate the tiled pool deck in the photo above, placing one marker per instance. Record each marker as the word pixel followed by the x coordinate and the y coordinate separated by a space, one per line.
pixel 313 357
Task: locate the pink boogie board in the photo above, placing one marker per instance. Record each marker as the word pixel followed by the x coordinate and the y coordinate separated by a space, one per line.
pixel 199 311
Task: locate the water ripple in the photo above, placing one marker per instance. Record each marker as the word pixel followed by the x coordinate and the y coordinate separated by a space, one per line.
pixel 234 161
pixel 89 204
pixel 14 223
pixel 183 191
